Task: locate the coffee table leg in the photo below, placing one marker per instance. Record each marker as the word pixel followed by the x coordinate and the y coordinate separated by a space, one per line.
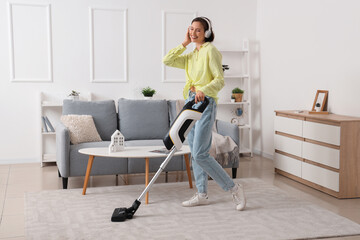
pixel 146 179
pixel 187 163
pixel 88 170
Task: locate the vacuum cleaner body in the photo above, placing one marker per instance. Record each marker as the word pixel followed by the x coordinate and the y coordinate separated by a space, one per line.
pixel 173 141
pixel 183 124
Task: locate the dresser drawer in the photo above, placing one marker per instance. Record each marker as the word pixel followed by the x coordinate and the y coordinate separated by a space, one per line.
pixel 288 125
pixel 288 164
pixel 321 176
pixel 324 155
pixel 322 132
pixel 288 145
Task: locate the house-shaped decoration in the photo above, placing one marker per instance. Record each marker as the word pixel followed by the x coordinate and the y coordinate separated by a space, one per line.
pixel 117 142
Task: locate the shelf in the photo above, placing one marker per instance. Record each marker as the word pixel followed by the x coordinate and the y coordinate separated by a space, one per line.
pixel 246 126
pixel 49 160
pixel 48 133
pixel 51 104
pixel 235 103
pixel 233 51
pixel 236 77
pixel 49 157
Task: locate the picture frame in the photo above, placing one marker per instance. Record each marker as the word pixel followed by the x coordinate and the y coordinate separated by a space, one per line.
pixel 321 98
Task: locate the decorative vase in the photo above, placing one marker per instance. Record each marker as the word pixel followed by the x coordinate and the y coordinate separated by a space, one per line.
pixel 148 97
pixel 238 97
pixel 232 100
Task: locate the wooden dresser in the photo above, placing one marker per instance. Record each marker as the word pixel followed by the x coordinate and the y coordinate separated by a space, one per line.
pixel 321 151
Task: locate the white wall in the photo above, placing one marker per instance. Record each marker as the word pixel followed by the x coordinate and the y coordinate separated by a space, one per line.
pixel 233 20
pixel 307 45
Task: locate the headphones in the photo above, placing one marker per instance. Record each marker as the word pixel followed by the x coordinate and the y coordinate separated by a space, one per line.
pixel 207 32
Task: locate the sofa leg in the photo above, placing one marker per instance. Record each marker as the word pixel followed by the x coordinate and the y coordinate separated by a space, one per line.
pixel 234 171
pixel 65 182
pixel 59 173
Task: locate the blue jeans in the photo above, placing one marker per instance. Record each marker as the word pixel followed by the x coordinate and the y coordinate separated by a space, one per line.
pixel 199 139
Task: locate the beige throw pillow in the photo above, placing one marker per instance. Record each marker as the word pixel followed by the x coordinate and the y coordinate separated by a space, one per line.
pixel 82 128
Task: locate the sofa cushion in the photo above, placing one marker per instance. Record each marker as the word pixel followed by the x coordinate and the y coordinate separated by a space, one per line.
pixel 172 110
pixel 103 113
pixel 81 128
pixel 143 119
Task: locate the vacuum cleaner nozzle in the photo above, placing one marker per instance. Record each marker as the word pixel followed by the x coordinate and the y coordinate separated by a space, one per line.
pixel 121 214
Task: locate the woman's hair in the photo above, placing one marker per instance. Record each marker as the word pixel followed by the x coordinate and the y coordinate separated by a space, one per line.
pixel 206 27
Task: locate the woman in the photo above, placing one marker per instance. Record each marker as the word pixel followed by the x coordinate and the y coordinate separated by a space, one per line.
pixel 204 78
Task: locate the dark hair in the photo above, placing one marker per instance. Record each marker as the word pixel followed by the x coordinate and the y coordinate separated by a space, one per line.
pixel 206 27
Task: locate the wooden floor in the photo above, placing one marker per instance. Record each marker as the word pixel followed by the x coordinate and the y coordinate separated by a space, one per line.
pixel 17 179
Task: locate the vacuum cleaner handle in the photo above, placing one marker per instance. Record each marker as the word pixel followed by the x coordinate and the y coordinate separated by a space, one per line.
pixel 200 109
pixel 183 124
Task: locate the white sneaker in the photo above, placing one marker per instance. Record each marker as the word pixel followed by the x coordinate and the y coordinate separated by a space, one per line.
pixel 238 196
pixel 196 200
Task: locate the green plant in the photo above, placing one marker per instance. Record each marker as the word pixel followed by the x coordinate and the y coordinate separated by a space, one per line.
pixel 74 93
pixel 237 90
pixel 232 97
pixel 148 92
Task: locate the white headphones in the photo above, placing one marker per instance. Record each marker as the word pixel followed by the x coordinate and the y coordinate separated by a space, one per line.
pixel 207 32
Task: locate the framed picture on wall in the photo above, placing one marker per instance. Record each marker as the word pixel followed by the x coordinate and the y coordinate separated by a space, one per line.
pixel 320 102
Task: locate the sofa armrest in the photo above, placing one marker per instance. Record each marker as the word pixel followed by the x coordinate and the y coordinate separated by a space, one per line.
pixel 228 129
pixel 63 150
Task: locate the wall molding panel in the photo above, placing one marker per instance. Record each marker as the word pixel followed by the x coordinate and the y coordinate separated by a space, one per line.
pixel 174 25
pixel 30 42
pixel 108 45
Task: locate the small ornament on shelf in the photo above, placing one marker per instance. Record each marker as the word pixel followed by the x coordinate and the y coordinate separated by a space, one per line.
pixel 238 94
pixel 148 92
pixel 239 112
pixel 225 67
pixel 74 95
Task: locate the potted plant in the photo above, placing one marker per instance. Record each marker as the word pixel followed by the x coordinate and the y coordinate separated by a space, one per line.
pixel 148 92
pixel 74 95
pixel 232 98
pixel 238 94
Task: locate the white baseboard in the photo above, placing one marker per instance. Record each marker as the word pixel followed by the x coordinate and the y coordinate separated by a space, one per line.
pixel 19 161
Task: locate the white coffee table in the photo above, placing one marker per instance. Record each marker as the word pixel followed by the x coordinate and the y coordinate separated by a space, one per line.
pixel 134 152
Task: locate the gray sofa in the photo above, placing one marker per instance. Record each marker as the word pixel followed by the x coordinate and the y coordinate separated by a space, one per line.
pixel 142 122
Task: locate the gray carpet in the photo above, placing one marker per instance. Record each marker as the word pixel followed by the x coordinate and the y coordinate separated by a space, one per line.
pixel 270 214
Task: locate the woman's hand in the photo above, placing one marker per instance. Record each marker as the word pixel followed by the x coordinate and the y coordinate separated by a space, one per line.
pixel 187 40
pixel 199 97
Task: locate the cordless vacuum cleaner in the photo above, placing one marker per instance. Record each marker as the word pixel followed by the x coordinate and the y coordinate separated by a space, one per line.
pixel 173 141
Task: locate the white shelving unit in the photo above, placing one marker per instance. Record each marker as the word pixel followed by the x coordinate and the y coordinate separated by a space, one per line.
pixel 239 63
pixel 51 107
